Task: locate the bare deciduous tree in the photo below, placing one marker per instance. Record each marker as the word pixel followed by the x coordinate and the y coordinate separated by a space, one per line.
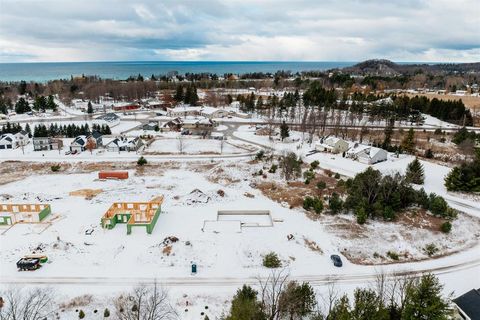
pixel 145 303
pixel 270 291
pixel 31 304
pixel 180 144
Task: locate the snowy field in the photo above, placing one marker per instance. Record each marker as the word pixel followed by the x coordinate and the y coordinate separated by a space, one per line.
pixel 109 260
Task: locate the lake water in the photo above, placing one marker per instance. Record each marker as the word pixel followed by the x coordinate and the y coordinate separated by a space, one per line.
pixel 45 71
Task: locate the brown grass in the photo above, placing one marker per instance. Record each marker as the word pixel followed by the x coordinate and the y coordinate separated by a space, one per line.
pixel 312 245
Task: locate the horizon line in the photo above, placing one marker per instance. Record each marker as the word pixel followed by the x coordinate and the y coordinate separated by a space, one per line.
pixel 241 61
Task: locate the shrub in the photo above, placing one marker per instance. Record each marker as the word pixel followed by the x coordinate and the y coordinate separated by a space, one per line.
pixel 141 161
pixel 314 165
pixel 273 168
pixel 335 203
pixel 438 206
pixel 430 249
pixel 328 172
pixel 392 255
pixel 106 313
pixel 388 214
pixel 55 167
pixel 429 154
pixel 260 154
pixel 337 175
pixel 361 215
pixel 446 227
pixel 321 185
pixel 313 203
pixel 81 314
pixel 308 175
pixel 271 260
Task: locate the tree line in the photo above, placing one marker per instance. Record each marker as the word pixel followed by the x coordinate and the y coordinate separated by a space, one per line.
pixel 68 131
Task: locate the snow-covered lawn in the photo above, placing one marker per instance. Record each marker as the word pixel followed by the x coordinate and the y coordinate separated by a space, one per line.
pixel 192 145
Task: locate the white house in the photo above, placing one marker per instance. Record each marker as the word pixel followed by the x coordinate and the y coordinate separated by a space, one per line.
pixel 183 111
pixel 211 112
pixel 78 144
pixel 367 154
pixel 333 145
pixel 22 138
pixel 124 144
pixel 7 141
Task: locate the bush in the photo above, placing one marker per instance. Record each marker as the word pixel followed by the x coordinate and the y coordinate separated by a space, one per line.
pixel 388 214
pixel 321 185
pixel 81 314
pixel 106 313
pixel 141 161
pixel 310 203
pixel 392 255
pixel 271 260
pixel 430 249
pixel 335 203
pixel 308 175
pixel 55 167
pixel 446 227
pixel 314 165
pixel 337 175
pixel 260 154
pixel 328 172
pixel 361 215
pixel 429 154
pixel 438 206
pixel 273 168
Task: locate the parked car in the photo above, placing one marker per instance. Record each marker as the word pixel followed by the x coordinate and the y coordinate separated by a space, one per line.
pixel 337 262
pixel 74 152
pixel 67 152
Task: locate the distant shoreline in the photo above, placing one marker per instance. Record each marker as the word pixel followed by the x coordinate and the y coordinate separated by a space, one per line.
pixel 117 70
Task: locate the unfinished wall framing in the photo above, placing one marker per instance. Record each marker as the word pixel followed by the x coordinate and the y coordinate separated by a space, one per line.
pixel 133 214
pixel 11 214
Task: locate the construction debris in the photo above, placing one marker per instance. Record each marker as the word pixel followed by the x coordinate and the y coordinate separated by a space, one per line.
pixel 87 193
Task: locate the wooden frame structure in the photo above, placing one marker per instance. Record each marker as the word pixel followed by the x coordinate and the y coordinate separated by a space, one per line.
pixel 134 214
pixel 11 214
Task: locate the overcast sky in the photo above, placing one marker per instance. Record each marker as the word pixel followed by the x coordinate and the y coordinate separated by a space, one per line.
pixel 298 30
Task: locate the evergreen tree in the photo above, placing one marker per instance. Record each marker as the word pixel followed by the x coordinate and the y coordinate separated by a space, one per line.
pixel 179 94
pixel 89 108
pixel 22 106
pixel 335 204
pixel 424 300
pixel 284 130
pixel 415 173
pixel 341 309
pixel 297 300
pixel 245 306
pixel 408 143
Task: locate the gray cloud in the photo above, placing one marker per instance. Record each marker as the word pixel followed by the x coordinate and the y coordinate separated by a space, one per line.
pixel 409 30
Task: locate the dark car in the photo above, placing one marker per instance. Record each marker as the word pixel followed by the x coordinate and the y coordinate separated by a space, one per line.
pixel 28 264
pixel 337 262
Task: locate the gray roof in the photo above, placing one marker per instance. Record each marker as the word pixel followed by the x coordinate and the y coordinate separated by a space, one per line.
pixel 470 303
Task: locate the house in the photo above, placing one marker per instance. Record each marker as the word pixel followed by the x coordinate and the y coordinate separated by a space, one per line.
pixel 333 145
pixel 468 306
pixel 7 141
pixel 211 113
pixel 172 125
pixel 125 106
pixel 199 126
pixel 367 154
pixel 124 144
pixel 183 111
pixel 97 136
pixel 11 214
pixel 78 144
pixel 133 214
pixel 110 119
pixel 22 138
pixel 47 143
pixel 151 126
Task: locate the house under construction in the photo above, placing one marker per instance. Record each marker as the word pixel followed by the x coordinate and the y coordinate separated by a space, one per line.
pixel 134 214
pixel 11 214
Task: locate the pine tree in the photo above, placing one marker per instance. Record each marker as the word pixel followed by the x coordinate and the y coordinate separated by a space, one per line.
pixel 415 173
pixel 424 300
pixel 408 143
pixel 89 108
pixel 284 130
